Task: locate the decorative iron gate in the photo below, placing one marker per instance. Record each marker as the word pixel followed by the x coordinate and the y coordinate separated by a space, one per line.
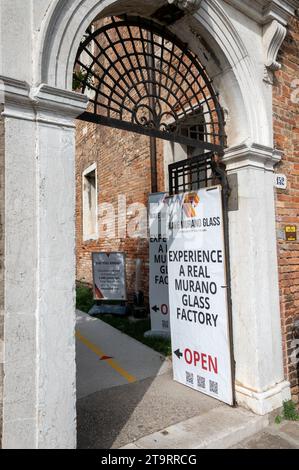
pixel 191 174
pixel 197 172
pixel 142 78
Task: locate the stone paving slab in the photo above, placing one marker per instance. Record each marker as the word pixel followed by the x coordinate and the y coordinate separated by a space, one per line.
pixel 275 436
pixel 218 428
pixel 120 415
pixel 94 374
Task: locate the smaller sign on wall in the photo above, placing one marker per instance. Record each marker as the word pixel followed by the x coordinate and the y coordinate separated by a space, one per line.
pixel 280 181
pixel 291 233
pixel 109 278
pixel 158 274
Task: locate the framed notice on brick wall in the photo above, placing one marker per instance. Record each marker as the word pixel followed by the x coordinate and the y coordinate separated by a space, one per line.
pixel 109 276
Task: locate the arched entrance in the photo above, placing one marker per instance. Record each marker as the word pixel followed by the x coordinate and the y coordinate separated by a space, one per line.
pixel 142 78
pixel 39 115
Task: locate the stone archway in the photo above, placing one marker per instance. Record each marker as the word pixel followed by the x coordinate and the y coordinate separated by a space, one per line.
pixel 211 35
pixel 39 114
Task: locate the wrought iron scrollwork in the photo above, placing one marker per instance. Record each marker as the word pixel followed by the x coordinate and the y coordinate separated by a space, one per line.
pixel 140 77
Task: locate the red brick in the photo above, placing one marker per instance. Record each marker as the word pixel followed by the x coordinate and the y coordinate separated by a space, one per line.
pixel 286 117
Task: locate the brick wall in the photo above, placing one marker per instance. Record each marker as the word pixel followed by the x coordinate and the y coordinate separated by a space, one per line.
pixel 123 168
pixel 1 267
pixel 286 130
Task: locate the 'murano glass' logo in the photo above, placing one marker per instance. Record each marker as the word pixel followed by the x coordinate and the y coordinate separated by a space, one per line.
pixel 191 201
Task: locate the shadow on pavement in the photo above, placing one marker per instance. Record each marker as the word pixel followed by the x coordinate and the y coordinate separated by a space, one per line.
pixel 114 417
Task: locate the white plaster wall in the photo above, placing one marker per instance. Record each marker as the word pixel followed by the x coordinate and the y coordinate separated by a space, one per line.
pixel 20 284
pixel 39 382
pixel 237 75
pixel 40 10
pixel 257 342
pixel 56 318
pixel 16 39
pixel 250 32
pixel 252 35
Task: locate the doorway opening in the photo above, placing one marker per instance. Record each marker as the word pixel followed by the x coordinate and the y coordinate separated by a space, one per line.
pixel 154 124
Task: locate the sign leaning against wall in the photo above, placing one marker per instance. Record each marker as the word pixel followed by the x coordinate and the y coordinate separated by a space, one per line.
pixel 109 276
pixel 158 273
pixel 198 293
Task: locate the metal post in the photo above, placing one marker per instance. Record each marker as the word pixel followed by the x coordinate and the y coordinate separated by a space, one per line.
pixel 221 174
pixel 152 102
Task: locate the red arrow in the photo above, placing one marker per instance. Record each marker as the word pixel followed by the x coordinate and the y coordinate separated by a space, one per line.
pixel 105 358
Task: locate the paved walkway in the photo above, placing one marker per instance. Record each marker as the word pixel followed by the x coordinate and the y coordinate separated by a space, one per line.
pixel 108 358
pixel 128 399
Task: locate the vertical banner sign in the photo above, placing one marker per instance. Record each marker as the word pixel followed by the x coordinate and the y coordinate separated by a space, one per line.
pixel 158 275
pixel 198 293
pixel 109 276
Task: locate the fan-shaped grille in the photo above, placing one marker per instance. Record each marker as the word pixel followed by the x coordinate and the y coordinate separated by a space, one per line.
pixel 140 77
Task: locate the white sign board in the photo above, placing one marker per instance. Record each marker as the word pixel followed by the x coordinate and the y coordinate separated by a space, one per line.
pixel 158 275
pixel 198 293
pixel 280 181
pixel 109 279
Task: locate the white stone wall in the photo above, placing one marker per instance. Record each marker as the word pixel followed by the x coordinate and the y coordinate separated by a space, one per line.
pixel 1 267
pixel 39 385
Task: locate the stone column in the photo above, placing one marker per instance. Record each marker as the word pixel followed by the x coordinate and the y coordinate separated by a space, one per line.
pixel 2 194
pixel 39 315
pixel 260 384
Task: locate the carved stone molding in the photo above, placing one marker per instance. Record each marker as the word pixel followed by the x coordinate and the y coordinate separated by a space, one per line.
pixel 264 11
pixel 44 103
pixel 252 155
pixel 273 37
pixel 189 6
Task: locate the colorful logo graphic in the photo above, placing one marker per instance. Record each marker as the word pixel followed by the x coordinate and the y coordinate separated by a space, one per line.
pixel 191 201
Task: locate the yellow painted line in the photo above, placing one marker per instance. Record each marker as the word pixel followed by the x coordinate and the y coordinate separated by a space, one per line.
pixel 112 363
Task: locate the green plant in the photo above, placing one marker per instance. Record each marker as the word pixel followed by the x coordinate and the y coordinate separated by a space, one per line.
pixel 278 419
pixel 84 298
pixel 289 412
pixel 80 77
